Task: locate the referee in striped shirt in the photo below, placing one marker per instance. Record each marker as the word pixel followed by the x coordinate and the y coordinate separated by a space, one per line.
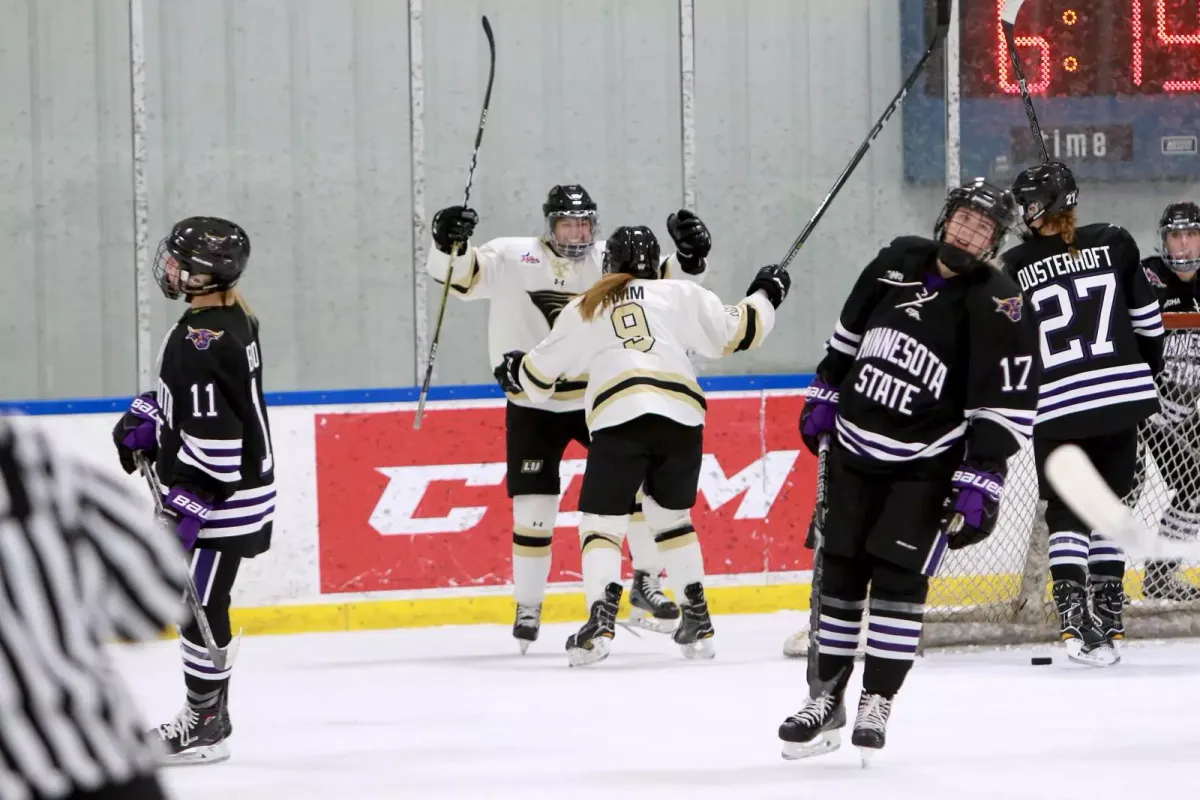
pixel 82 562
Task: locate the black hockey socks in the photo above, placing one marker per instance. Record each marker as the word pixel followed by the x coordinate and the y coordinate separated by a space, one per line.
pixel 842 601
pixel 837 639
pixel 1105 558
pixel 897 613
pixel 1069 552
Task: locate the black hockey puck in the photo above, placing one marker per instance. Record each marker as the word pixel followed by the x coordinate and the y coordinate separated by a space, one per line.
pixel 1041 661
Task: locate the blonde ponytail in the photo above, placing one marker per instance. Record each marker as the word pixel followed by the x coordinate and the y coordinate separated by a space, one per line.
pixel 235 298
pixel 604 293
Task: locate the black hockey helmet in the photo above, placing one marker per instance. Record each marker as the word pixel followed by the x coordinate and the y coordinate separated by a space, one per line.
pixel 201 246
pixel 1179 217
pixel 634 251
pixel 570 201
pixel 1045 189
pixel 994 203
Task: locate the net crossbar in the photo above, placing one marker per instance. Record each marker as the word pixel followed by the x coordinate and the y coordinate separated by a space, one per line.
pixel 998 592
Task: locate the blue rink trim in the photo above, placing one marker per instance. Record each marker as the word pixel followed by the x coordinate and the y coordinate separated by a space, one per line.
pixel 402 394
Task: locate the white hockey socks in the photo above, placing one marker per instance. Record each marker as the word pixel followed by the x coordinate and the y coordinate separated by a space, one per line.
pixel 533 528
pixel 600 539
pixel 678 546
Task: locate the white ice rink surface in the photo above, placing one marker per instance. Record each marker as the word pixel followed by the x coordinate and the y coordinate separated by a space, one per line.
pixel 455 712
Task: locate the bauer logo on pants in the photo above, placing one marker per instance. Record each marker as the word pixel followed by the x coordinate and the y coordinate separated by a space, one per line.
pixel 405 509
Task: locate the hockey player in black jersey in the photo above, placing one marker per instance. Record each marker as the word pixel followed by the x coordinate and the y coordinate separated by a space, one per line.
pixel 1100 346
pixel 206 429
pixel 928 387
pixel 1171 435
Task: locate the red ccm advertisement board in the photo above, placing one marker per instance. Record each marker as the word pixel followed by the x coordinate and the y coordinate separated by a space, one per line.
pixel 427 509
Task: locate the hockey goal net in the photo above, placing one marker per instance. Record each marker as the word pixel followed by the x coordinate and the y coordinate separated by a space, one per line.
pixel 998 592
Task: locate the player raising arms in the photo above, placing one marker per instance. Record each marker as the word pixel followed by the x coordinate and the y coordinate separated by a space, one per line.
pixel 632 333
pixel 927 388
pixel 1170 434
pixel 206 427
pixel 528 280
pixel 1100 345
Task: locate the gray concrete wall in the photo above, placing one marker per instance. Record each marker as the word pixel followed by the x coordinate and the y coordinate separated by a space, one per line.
pixel 293 117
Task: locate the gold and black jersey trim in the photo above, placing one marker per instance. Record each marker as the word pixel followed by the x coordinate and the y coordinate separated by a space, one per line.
pixel 467 285
pixel 749 333
pixel 565 389
pixel 535 377
pixel 677 387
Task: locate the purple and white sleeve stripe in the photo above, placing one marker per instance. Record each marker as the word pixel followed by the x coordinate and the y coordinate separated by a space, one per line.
pixel 843 340
pixel 1147 321
pixel 218 458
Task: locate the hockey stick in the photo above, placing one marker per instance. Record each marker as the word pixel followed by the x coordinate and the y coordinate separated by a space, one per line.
pixel 221 658
pixel 943 25
pixel 1077 482
pixel 1008 19
pixel 818 532
pixel 437 328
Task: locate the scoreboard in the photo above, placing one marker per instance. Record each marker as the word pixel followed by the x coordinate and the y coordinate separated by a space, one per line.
pixel 1116 85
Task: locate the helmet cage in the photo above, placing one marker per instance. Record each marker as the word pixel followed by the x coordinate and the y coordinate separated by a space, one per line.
pixel 1178 264
pixel 571 249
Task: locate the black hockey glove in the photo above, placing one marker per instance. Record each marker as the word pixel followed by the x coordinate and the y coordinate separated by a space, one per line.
pixel 136 431
pixel 973 506
pixel 775 281
pixel 508 373
pixel 453 225
pixel 692 240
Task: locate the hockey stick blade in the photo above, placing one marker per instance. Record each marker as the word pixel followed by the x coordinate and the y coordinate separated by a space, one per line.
pixel 943 26
pixel 437 328
pixel 1077 482
pixel 1008 21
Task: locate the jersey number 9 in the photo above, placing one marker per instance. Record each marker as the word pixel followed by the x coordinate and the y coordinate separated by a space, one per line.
pixel 629 323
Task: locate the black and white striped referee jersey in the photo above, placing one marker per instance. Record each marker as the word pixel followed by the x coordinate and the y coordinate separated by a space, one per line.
pixel 82 562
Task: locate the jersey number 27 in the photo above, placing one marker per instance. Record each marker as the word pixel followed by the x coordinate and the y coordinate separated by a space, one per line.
pixel 1082 288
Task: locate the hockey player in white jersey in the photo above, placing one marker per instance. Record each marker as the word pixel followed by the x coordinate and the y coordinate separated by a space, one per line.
pixel 632 333
pixel 528 280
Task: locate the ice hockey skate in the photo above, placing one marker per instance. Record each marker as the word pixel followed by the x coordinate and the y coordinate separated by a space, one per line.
pixel 650 608
pixel 1084 641
pixel 590 645
pixel 1108 605
pixel 527 625
pixel 815 729
pixel 196 736
pixel 870 727
pixel 695 632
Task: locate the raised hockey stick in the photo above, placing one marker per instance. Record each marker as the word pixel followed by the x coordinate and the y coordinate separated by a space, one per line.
pixel 437 328
pixel 818 533
pixel 1077 482
pixel 1008 19
pixel 221 658
pixel 939 34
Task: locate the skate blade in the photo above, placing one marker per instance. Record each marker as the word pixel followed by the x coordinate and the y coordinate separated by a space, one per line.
pixel 582 657
pixel 700 650
pixel 211 754
pixel 1103 656
pixel 524 645
pixel 825 743
pixel 865 754
pixel 640 618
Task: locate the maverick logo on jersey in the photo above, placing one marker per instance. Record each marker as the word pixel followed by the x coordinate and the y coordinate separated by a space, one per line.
pixel 203 338
pixel 1155 281
pixel 399 509
pixel 1010 307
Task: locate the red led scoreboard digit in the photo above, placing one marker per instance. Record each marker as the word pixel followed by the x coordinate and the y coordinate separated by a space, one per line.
pixel 1082 48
